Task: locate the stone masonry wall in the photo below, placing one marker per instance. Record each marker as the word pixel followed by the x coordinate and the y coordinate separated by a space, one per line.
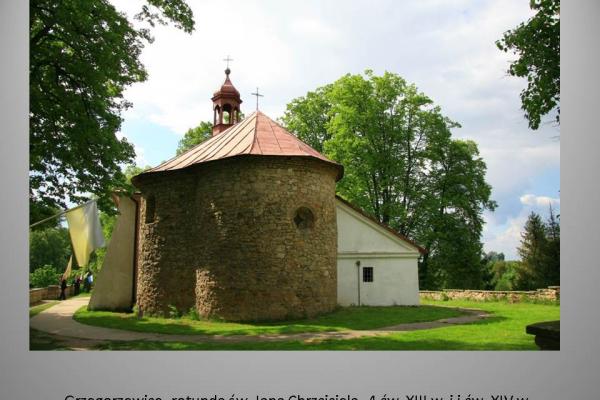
pixel 551 294
pixel 223 239
pixel 52 292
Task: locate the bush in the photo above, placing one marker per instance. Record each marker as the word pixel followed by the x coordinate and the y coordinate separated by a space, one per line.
pixel 193 314
pixel 44 276
pixel 173 312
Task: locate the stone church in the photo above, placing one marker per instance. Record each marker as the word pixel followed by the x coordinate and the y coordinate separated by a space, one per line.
pixel 247 226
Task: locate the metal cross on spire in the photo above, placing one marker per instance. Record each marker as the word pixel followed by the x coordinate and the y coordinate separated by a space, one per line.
pixel 257 94
pixel 227 59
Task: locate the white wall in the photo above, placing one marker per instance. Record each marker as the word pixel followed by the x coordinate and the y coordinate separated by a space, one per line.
pixel 113 287
pixel 395 282
pixel 394 262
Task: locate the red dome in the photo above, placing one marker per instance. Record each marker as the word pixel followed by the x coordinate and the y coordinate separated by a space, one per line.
pixel 227 89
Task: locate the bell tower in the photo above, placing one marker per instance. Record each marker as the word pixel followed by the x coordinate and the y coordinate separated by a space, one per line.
pixel 226 106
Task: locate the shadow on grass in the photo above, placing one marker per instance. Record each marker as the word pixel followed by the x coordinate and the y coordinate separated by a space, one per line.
pixel 398 341
pixel 349 318
pixel 43 341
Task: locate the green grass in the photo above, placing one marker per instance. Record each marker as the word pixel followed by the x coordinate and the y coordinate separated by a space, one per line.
pixel 504 330
pixel 43 341
pixel 35 310
pixel 350 318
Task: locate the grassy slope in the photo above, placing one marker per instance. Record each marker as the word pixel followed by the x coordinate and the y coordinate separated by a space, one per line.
pixel 355 318
pixel 35 310
pixel 505 330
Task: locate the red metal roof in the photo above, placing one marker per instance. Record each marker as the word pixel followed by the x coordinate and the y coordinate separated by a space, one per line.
pixel 255 135
pixel 227 88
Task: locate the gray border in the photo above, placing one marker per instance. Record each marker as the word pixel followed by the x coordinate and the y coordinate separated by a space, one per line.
pixel 571 373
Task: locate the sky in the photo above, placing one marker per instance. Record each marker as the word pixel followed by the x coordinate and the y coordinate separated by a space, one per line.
pixel 287 48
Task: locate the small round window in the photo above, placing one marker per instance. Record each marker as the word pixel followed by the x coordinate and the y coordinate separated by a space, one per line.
pixel 304 218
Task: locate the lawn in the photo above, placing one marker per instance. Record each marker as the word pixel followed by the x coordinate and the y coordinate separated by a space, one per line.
pixel 504 330
pixel 349 318
pixel 35 310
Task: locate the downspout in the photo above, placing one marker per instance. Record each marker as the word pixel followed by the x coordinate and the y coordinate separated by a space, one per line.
pixel 358 280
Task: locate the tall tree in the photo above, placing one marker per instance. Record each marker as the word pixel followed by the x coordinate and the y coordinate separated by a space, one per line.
pixel 401 165
pixel 537 45
pixel 552 266
pixel 83 54
pixel 308 117
pixel 533 251
pixel 454 219
pixel 194 136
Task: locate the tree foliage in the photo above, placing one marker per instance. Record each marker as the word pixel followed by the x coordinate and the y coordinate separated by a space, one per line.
pixel 194 136
pixel 44 276
pixel 50 246
pixel 540 252
pixel 403 167
pixel 83 54
pixel 537 45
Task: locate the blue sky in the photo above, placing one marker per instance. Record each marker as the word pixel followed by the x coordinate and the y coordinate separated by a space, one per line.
pixel 288 48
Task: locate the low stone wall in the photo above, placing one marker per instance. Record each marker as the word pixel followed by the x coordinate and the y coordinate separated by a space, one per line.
pixel 51 292
pixel 550 294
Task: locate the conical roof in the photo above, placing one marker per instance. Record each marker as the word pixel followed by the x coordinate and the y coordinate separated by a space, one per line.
pixel 256 135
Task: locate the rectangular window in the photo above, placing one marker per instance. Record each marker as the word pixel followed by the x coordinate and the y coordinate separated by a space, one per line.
pixel 367 274
pixel 150 209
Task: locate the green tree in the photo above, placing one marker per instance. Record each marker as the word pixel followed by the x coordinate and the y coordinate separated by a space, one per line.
pixel 308 117
pixel 537 45
pixel 50 246
pixel 487 266
pixel 509 275
pixel 551 270
pixel 83 54
pixel 194 136
pixel 533 251
pixel 402 166
pixel 452 222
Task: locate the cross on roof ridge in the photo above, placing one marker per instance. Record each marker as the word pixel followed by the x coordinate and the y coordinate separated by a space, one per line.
pixel 257 94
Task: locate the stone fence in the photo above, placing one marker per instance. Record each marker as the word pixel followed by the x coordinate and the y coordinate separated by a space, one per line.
pixel 549 294
pixel 51 292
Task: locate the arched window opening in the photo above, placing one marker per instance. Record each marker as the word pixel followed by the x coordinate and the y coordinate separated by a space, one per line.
pixel 227 114
pixel 304 219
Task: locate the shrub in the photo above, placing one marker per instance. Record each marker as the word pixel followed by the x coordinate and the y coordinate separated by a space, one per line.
pixel 173 312
pixel 44 276
pixel 193 314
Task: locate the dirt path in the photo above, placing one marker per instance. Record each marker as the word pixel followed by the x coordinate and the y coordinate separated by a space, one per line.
pixel 58 321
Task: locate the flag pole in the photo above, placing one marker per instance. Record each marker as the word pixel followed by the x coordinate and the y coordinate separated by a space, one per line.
pixel 59 214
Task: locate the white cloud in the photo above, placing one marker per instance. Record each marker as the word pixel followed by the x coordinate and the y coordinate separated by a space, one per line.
pixel 315 29
pixel 505 238
pixel 514 161
pixel 539 201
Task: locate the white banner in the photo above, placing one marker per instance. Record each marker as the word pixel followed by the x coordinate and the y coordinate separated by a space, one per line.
pixel 85 230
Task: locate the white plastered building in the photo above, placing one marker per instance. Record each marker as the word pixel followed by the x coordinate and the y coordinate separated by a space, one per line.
pixel 375 265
